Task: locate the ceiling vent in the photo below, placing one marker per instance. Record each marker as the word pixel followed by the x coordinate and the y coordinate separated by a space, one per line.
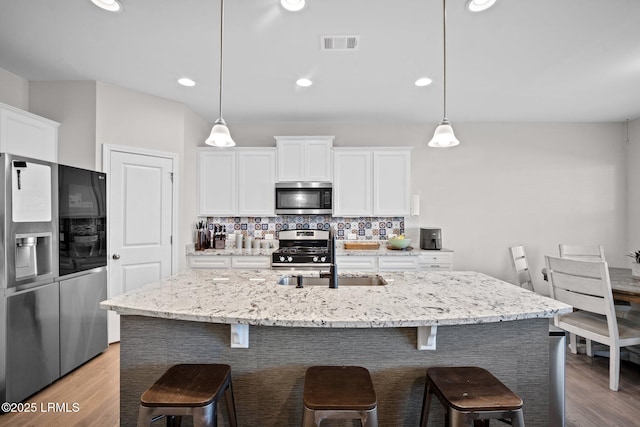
pixel 340 42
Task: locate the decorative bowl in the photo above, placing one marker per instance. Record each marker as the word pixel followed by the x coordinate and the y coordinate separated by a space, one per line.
pixel 399 243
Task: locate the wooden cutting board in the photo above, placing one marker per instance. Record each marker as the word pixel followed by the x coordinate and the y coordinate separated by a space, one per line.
pixel 362 245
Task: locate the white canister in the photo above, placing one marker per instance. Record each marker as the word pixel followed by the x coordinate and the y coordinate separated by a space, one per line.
pixel 256 244
pixel 238 240
pixel 248 240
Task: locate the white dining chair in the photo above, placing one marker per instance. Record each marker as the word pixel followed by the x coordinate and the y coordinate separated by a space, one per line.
pixel 520 266
pixel 581 253
pixel 586 286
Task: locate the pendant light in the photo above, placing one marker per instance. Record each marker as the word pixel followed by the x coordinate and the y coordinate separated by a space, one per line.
pixel 444 137
pixel 220 136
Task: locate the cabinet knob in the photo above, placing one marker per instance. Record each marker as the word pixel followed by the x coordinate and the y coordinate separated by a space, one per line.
pixel 115 256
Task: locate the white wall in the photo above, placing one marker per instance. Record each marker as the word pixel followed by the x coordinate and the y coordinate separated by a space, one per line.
pixel 196 131
pixel 14 90
pixel 73 105
pixel 535 184
pixel 135 119
pixel 95 113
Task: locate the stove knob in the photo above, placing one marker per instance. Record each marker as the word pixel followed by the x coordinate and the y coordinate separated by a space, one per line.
pixel 315 259
pixel 323 259
pixel 290 259
pixel 281 258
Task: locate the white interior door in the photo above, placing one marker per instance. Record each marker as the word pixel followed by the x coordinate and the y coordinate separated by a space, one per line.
pixel 140 223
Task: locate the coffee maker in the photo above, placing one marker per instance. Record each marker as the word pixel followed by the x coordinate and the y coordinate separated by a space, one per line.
pixel 431 238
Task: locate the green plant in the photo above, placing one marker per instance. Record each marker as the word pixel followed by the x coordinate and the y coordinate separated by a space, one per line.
pixel 635 255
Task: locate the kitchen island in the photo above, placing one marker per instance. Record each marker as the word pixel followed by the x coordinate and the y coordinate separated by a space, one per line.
pixel 480 321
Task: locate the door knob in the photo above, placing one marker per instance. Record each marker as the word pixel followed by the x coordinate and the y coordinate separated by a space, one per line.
pixel 115 256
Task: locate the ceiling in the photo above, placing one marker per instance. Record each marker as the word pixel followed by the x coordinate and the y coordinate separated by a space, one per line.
pixel 536 60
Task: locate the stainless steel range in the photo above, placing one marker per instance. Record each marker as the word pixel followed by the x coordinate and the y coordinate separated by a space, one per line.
pixel 302 249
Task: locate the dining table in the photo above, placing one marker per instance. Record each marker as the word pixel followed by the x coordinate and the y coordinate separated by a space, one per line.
pixel 624 286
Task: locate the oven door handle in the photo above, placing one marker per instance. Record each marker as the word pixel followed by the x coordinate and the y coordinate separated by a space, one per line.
pixel 301 265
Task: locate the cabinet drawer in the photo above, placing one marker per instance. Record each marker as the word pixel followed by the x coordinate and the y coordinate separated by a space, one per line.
pixel 443 257
pixel 251 262
pixel 397 263
pixel 205 261
pixel 356 263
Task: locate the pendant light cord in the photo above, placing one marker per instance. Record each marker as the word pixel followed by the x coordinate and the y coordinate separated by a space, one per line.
pixel 221 35
pixel 444 38
pixel 628 131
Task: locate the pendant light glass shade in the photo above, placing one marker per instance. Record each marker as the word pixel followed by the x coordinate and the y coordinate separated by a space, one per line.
pixel 444 137
pixel 220 135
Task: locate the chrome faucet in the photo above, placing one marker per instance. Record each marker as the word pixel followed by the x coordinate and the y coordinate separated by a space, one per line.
pixel 333 268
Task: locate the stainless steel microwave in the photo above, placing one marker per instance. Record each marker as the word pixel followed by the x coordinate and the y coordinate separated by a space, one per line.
pixel 304 198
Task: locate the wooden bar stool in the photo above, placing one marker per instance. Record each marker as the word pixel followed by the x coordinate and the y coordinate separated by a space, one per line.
pixel 471 396
pixel 339 392
pixel 188 390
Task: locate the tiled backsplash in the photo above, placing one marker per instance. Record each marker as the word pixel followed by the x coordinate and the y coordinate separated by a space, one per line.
pixel 366 228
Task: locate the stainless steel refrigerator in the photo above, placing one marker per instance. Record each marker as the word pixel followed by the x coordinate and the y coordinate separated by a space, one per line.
pixel 52 272
pixel 83 265
pixel 29 293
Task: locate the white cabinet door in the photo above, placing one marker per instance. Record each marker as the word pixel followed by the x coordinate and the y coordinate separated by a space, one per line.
pixel 234 182
pixel 397 263
pixel 209 261
pixel 251 262
pixel 392 182
pixel 304 158
pixel 256 182
pixel 290 160
pixel 28 135
pixel 217 183
pixel 318 160
pixel 435 261
pixel 356 263
pixel 352 182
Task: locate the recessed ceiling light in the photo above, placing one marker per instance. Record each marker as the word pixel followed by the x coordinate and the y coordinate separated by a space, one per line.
pixel 479 5
pixel 186 82
pixel 110 5
pixel 292 5
pixel 304 82
pixel 423 81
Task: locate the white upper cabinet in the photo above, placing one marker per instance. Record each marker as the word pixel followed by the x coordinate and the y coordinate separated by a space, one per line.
pixel 28 135
pixel 217 182
pixel 352 185
pixel 256 182
pixel 392 182
pixel 304 158
pixel 372 181
pixel 236 181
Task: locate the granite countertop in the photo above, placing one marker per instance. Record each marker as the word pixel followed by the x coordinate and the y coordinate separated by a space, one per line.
pixel 340 250
pixel 232 252
pixel 382 250
pixel 409 299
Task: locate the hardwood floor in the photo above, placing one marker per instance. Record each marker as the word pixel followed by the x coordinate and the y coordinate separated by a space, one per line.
pixel 95 388
pixel 590 403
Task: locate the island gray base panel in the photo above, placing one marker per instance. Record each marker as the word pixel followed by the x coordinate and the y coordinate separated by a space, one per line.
pixel 268 376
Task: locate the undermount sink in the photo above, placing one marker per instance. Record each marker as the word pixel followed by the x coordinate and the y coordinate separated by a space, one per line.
pixel 373 280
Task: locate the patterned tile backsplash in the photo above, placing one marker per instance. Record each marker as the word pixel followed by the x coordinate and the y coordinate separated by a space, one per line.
pixel 366 228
